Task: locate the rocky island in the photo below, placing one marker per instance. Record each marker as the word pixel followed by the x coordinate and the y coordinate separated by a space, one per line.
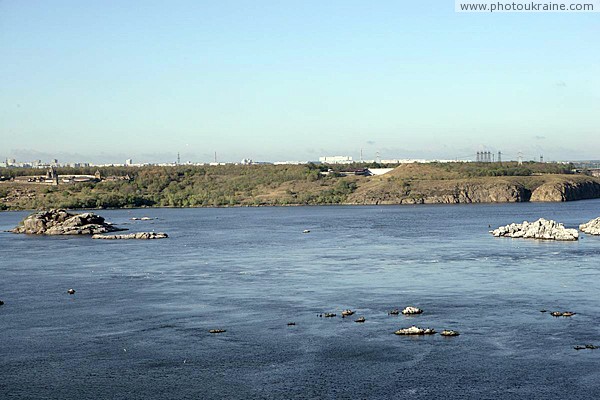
pixel 540 229
pixel 61 222
pixel 592 227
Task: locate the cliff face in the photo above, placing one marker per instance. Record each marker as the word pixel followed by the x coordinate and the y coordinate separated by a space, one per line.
pixel 442 192
pixel 554 188
pixel 476 192
pixel 567 191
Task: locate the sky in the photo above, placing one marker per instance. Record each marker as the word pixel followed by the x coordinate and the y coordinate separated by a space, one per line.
pixel 103 81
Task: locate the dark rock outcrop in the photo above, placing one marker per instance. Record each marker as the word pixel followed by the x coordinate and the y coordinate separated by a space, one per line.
pixel 60 222
pixel 459 191
pixel 138 235
pixel 567 191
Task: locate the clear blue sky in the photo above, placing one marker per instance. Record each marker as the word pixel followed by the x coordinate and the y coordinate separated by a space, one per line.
pixel 283 80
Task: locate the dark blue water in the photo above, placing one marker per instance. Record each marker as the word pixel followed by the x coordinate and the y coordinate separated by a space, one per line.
pixel 138 325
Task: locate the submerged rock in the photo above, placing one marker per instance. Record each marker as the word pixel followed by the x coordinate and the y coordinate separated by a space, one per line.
pixel 562 313
pixel 587 346
pixel 415 330
pixel 360 319
pixel 71 291
pixel 217 331
pixel 410 310
pixel 1 303
pixel 138 235
pixel 291 324
pixel 347 313
pixel 556 314
pixel 541 229
pixel 592 227
pixel 449 332
pixel 395 311
pixel 61 222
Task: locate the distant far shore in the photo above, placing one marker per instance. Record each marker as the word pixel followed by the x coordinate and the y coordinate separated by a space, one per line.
pixel 294 185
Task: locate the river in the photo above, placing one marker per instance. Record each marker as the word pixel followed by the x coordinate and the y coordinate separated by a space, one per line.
pixel 138 324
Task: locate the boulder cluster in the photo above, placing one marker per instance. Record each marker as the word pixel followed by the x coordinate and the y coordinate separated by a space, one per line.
pixel 61 222
pixel 592 227
pixel 540 229
pixel 138 235
pixel 415 330
pixel 562 313
pixel 410 310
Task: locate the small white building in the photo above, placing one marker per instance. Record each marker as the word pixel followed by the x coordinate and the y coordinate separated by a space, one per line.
pixel 336 160
pixel 379 171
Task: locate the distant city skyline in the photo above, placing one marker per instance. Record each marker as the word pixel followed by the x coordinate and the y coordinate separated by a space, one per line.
pixel 271 81
pixel 174 159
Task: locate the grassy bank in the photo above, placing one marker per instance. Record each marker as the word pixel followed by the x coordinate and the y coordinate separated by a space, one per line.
pixel 239 185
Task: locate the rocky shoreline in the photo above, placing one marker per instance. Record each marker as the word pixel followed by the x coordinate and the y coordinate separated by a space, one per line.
pixel 478 190
pixel 406 184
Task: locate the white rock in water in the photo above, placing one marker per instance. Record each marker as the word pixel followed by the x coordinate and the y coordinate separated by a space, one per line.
pixel 410 310
pixel 541 229
pixel 592 227
pixel 138 235
pixel 415 330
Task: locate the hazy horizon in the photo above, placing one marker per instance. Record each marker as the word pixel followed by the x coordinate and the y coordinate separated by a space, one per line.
pixel 270 81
